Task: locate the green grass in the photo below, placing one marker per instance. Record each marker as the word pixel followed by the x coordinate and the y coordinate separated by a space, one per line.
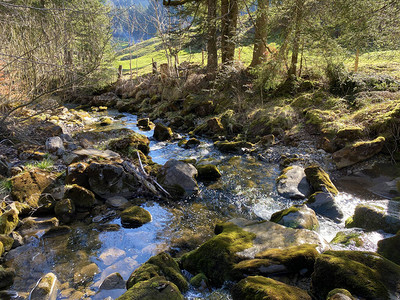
pixel 45 164
pixel 5 186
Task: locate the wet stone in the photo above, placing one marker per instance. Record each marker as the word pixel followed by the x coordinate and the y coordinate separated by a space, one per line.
pixel 112 282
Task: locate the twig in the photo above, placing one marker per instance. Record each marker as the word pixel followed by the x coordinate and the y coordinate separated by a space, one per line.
pixel 141 165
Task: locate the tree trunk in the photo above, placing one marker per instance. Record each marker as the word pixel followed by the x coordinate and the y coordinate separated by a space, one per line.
pixel 296 37
pixel 212 52
pixel 229 12
pixel 260 37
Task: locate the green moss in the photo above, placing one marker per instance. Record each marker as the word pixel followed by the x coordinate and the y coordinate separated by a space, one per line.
pixel 348 239
pixel 6 241
pixel 216 257
pixel 160 265
pixel 276 217
pixel 283 174
pixel 135 216
pixel 364 274
pixel 126 145
pixel 319 180
pixel 8 221
pixel 339 291
pixel 262 288
pixel 198 280
pixel 378 140
pixel 81 197
pixel 320 117
pixel 208 172
pixel 232 147
pixel 2 249
pixel 156 288
pixel 105 121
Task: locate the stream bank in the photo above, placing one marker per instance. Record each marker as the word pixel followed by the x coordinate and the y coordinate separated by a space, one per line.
pixel 95 243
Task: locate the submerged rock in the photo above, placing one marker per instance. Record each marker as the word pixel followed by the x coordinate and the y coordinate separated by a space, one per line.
pixel 86 273
pixel 258 287
pixel 298 217
pixel 112 282
pixel 208 172
pixel 46 289
pixel 135 216
pixel 377 215
pixel 293 184
pixel 363 274
pixel 178 178
pixel 358 152
pixel 162 133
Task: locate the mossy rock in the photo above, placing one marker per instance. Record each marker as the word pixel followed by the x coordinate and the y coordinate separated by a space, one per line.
pixel 2 250
pixel 189 144
pixel 390 248
pixel 320 180
pixel 296 216
pixel 7 241
pixel 105 121
pixel 6 277
pixel 64 210
pixel 376 215
pixel 208 172
pixel 262 288
pixel 135 216
pixel 348 239
pixel 216 257
pixel 156 288
pixel 232 147
pixel 162 133
pixel 160 265
pixel 275 261
pixel 133 141
pixel 199 280
pixel 46 288
pixel 363 274
pixel 339 294
pixel 8 221
pixel 81 197
pixel 28 186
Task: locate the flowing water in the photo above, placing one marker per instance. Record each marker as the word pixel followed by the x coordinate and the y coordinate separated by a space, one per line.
pixel 246 189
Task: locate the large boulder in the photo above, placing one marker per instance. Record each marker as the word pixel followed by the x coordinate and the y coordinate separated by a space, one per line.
pixel 390 248
pixel 162 132
pixel 76 174
pixel 127 144
pixel 358 152
pixel 81 197
pixel 107 180
pixel 98 154
pixel 154 288
pixel 324 203
pixel 161 265
pixel 293 184
pixel 377 215
pixel 55 145
pixel 258 287
pixel 297 216
pixel 297 260
pixel 239 240
pixel 135 216
pixel 178 178
pixel 46 289
pixel 27 187
pixel 320 180
pixel 364 274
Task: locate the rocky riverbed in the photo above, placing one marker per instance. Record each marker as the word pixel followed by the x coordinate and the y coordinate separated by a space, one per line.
pixel 110 206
